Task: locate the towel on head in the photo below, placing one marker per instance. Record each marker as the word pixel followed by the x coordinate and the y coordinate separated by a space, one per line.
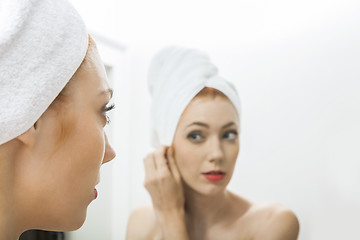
pixel 176 75
pixel 42 43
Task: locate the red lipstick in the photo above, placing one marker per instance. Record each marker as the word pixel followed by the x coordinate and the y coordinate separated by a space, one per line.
pixel 214 176
pixel 95 193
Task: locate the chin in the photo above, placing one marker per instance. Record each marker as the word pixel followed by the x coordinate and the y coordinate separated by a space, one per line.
pixel 213 191
pixel 206 189
pixel 77 222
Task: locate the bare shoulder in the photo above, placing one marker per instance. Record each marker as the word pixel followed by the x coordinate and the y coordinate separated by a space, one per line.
pixel 141 224
pixel 278 222
pixel 265 221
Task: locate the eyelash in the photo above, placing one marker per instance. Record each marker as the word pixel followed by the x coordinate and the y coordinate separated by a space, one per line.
pixel 107 109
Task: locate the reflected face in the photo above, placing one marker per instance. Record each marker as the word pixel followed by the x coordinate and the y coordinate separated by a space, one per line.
pixel 58 178
pixel 206 144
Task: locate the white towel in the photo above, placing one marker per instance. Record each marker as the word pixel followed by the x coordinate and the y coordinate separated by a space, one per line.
pixel 42 43
pixel 175 76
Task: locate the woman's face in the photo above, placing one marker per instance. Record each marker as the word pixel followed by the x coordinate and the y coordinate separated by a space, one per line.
pixel 57 178
pixel 206 144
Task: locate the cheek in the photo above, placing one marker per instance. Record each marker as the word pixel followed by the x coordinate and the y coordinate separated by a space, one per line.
pixel 81 166
pixel 232 152
pixel 78 162
pixel 59 178
pixel 89 145
pixel 188 158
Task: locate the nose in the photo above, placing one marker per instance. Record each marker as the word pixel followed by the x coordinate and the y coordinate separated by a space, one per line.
pixel 109 151
pixel 216 151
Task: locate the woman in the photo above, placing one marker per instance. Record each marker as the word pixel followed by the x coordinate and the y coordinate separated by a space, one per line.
pixel 54 97
pixel 195 123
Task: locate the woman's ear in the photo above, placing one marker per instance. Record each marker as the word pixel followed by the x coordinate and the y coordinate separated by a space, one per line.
pixel 28 137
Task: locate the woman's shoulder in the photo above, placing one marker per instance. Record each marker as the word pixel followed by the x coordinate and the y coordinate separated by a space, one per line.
pixel 142 224
pixel 269 220
pixel 279 222
pixel 273 212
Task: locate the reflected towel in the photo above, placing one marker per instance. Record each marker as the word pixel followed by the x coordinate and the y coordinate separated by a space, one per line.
pixel 176 75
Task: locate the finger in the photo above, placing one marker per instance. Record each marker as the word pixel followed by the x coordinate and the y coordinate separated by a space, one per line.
pixel 172 163
pixel 161 161
pixel 149 165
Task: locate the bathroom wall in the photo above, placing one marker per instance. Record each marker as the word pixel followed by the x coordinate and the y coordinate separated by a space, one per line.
pixel 296 66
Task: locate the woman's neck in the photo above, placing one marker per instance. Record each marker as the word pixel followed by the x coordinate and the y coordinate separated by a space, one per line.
pixel 8 223
pixel 7 226
pixel 205 209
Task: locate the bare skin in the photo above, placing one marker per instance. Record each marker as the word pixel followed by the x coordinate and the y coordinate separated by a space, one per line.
pixel 186 205
pixel 46 184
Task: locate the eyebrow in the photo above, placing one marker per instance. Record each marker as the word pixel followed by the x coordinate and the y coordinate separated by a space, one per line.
pixel 198 124
pixel 207 126
pixel 108 91
pixel 228 125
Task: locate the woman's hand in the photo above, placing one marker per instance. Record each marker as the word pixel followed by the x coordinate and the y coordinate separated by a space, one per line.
pixel 163 180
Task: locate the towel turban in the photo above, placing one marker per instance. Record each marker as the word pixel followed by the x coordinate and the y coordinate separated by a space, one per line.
pixel 42 44
pixel 176 75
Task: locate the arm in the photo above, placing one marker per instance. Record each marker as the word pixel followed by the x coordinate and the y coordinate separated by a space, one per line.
pixel 163 182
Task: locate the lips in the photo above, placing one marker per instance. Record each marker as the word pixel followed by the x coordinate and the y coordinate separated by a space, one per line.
pixel 95 193
pixel 214 176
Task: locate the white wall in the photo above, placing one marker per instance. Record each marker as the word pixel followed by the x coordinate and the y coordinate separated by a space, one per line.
pixel 296 66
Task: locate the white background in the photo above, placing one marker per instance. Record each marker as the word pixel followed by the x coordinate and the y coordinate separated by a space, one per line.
pixel 296 67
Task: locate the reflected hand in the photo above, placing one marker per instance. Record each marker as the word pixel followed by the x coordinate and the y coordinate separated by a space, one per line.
pixel 163 180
